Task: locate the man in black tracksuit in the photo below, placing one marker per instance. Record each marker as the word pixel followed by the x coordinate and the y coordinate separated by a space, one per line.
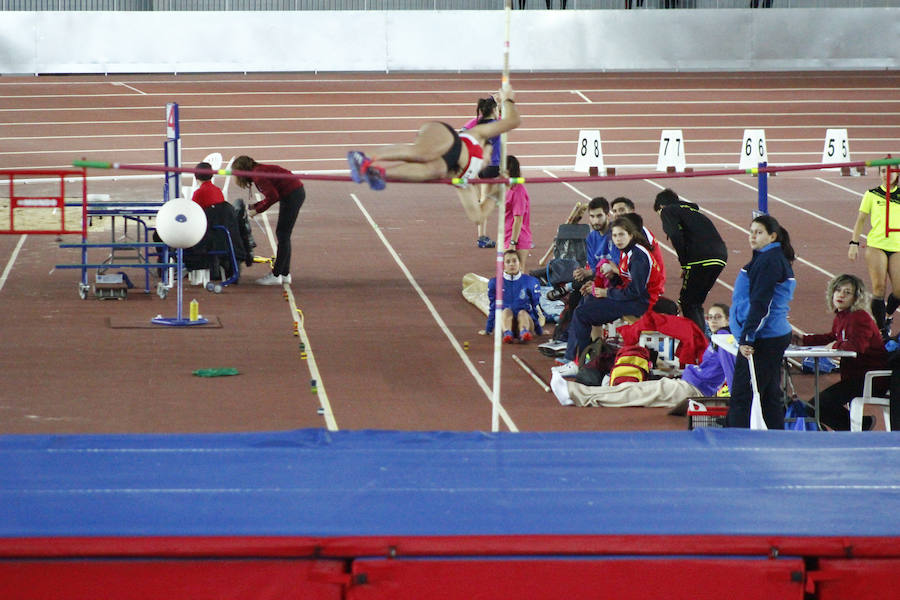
pixel 700 249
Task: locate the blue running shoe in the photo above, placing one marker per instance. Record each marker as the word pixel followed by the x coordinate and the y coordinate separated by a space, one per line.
pixel 375 176
pixel 486 242
pixel 357 161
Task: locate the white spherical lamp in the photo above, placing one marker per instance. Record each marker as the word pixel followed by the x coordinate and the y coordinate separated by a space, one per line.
pixel 181 223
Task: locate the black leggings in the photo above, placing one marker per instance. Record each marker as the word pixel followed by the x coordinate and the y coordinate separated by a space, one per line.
pixel 288 209
pixel 696 283
pixel 832 399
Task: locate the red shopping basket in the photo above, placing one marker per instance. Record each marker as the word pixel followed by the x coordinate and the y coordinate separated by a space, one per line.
pixel 701 416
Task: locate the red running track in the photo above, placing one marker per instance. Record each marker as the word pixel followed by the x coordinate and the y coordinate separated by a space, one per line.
pixel 385 360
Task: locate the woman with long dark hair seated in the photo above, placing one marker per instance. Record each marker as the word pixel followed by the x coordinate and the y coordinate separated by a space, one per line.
pixel 634 286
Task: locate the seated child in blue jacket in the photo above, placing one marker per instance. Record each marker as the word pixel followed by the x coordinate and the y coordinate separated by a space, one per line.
pixel 521 316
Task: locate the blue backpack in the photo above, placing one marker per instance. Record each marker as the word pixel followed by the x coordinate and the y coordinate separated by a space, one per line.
pixel 796 419
pixel 826 365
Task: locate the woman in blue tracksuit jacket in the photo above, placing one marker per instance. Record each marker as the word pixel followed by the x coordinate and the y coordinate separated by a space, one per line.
pixel 758 317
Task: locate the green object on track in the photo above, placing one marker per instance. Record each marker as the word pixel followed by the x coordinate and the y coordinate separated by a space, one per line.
pixel 216 372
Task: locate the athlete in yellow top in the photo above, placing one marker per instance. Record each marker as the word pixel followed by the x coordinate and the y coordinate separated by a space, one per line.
pixel 882 252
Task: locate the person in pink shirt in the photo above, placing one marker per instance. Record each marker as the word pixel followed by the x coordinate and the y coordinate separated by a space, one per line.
pixel 517 225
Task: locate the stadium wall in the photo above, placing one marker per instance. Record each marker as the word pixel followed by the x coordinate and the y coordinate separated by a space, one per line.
pixel 385 41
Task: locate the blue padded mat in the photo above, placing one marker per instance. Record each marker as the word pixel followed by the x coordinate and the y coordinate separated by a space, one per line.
pixel 366 483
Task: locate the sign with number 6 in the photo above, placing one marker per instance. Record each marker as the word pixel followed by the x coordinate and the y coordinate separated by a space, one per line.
pixel 753 149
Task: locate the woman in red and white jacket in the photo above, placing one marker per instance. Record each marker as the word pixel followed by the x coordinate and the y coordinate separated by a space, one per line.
pixel 853 329
pixel 634 287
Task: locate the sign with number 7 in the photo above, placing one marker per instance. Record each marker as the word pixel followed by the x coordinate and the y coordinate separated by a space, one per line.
pixel 671 150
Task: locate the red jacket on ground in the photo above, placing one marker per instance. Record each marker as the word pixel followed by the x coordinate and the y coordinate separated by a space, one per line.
pixel 692 342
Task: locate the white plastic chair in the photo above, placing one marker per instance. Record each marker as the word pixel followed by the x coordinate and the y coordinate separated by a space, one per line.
pixel 227 179
pixel 858 403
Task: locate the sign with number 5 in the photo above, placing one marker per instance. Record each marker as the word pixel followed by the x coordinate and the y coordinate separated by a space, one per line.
pixel 837 148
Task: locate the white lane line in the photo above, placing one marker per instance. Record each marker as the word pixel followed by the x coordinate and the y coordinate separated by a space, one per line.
pixel 840 187
pixel 324 403
pixel 295 132
pixel 692 128
pixel 585 98
pixel 642 99
pixel 795 206
pixel 12 259
pixel 119 83
pixel 255 81
pixel 434 314
pixel 444 105
pixel 568 185
pixel 565 77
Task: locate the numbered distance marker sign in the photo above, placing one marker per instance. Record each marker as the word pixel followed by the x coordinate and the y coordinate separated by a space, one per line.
pixel 671 150
pixel 172 128
pixel 590 151
pixel 837 148
pixel 753 149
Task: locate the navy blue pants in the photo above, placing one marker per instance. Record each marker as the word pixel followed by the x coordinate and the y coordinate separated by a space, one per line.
pixel 597 311
pixel 767 356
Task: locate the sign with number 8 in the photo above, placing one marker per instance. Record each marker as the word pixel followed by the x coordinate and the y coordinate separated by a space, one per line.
pixel 590 151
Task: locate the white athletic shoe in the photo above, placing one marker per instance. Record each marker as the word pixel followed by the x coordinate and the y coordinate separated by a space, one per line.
pixel 570 369
pixel 286 278
pixel 270 279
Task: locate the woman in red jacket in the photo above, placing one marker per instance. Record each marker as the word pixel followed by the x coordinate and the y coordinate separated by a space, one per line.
pixel 288 192
pixel 853 329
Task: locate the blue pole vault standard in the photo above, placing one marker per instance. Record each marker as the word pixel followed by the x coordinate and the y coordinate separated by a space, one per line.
pixel 763 189
pixel 173 182
pixel 172 153
pixel 179 320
